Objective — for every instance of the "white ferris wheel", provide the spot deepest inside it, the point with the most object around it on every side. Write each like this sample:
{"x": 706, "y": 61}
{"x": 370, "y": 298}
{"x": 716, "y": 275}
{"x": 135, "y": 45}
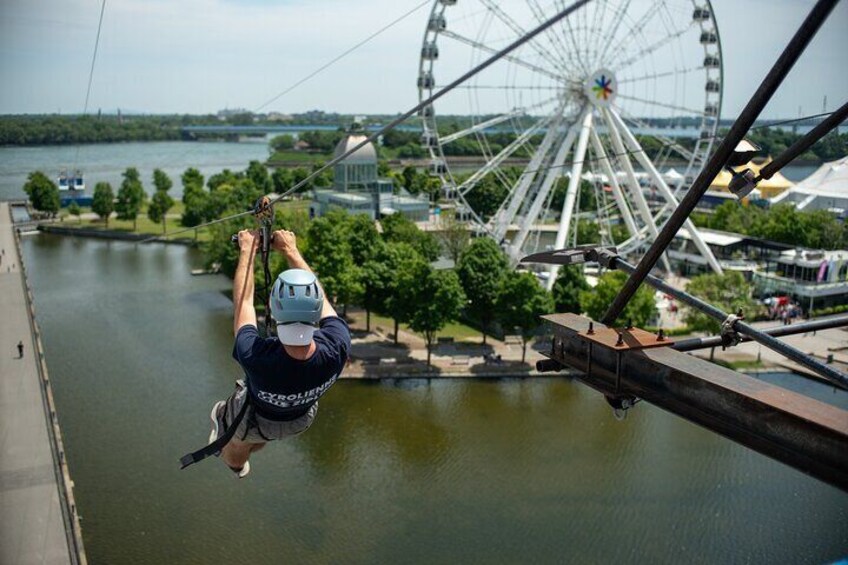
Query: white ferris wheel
{"x": 604, "y": 96}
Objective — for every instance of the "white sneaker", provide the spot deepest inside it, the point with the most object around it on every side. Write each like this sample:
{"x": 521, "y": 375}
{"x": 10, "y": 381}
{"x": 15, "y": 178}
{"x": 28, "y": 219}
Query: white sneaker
{"x": 217, "y": 417}
{"x": 244, "y": 470}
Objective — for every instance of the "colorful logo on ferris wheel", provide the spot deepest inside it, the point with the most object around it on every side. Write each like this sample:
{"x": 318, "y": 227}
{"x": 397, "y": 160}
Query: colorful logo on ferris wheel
{"x": 602, "y": 88}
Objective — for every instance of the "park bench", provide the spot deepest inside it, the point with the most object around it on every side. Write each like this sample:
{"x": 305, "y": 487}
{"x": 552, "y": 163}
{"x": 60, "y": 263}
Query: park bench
{"x": 460, "y": 360}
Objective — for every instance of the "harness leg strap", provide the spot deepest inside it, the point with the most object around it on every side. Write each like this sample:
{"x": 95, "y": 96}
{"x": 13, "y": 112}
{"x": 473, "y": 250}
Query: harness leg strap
{"x": 218, "y": 444}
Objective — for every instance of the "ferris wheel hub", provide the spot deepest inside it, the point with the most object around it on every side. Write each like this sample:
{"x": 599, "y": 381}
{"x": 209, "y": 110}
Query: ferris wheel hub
{"x": 601, "y": 88}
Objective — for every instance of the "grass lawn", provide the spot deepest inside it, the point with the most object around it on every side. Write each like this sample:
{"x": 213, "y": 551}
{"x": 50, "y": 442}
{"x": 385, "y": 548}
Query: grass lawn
{"x": 298, "y": 157}
{"x": 459, "y": 332}
{"x": 146, "y": 226}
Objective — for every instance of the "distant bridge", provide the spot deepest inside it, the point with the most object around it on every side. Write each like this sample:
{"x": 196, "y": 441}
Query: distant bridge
{"x": 225, "y": 129}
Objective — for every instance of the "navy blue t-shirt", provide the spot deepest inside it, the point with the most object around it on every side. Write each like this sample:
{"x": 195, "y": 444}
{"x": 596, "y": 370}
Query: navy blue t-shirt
{"x": 283, "y": 387}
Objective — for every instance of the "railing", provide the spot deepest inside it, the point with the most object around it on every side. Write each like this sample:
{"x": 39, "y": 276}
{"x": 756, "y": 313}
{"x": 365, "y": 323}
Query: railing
{"x": 807, "y": 288}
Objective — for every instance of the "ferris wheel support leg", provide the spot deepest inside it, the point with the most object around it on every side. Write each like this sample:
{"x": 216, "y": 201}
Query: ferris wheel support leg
{"x": 553, "y": 173}
{"x": 572, "y": 191}
{"x": 620, "y": 201}
{"x": 660, "y": 183}
{"x": 506, "y": 217}
{"x": 634, "y": 189}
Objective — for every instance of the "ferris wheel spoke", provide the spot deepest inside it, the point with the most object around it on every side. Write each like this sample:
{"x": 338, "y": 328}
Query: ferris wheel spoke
{"x": 660, "y": 75}
{"x": 551, "y": 34}
{"x": 517, "y": 29}
{"x": 505, "y": 87}
{"x": 634, "y": 31}
{"x": 595, "y": 30}
{"x": 648, "y": 50}
{"x": 495, "y": 161}
{"x": 666, "y": 141}
{"x": 698, "y": 113}
{"x": 493, "y": 122}
{"x": 618, "y": 195}
{"x": 610, "y": 37}
{"x": 512, "y": 58}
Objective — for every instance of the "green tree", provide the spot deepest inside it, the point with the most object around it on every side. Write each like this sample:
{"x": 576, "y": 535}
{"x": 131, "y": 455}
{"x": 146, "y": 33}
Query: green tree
{"x": 486, "y": 197}
{"x": 438, "y": 300}
{"x": 103, "y": 201}
{"x": 364, "y": 238}
{"x": 224, "y": 177}
{"x": 130, "y": 197}
{"x": 157, "y": 211}
{"x": 481, "y": 269}
{"x": 43, "y": 193}
{"x": 520, "y": 302}
{"x": 453, "y": 235}
{"x": 283, "y": 142}
{"x": 729, "y": 292}
{"x": 407, "y": 267}
{"x": 400, "y": 229}
{"x": 74, "y": 210}
{"x": 258, "y": 175}
{"x": 568, "y": 285}
{"x": 329, "y": 254}
{"x": 281, "y": 180}
{"x": 162, "y": 181}
{"x": 639, "y": 311}
{"x": 195, "y": 199}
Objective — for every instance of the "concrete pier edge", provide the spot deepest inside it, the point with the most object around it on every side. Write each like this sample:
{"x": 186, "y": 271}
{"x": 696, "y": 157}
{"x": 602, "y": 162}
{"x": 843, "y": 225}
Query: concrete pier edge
{"x": 60, "y": 465}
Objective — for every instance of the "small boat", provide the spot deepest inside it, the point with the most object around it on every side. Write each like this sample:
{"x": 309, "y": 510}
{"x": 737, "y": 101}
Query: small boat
{"x": 74, "y": 181}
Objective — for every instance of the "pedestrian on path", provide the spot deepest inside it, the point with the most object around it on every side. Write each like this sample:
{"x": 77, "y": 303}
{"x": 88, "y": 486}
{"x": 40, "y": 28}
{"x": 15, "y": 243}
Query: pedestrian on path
{"x": 20, "y": 350}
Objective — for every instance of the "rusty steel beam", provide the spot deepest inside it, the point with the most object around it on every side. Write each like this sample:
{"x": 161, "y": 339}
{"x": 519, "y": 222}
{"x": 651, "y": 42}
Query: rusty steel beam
{"x": 806, "y": 434}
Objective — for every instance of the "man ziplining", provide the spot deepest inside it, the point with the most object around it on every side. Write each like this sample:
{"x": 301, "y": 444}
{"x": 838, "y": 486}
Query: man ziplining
{"x": 284, "y": 375}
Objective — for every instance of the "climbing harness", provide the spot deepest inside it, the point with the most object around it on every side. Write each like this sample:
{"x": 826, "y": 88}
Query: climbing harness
{"x": 263, "y": 211}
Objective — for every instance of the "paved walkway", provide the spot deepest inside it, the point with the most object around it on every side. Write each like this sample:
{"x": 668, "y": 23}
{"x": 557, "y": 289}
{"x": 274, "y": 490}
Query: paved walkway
{"x": 32, "y": 529}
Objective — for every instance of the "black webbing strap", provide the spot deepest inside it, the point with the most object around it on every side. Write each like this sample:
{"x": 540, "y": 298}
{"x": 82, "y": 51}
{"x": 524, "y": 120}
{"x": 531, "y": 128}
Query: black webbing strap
{"x": 218, "y": 444}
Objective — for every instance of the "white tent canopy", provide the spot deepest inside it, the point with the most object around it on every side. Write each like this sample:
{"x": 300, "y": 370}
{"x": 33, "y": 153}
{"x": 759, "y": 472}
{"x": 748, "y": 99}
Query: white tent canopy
{"x": 825, "y": 189}
{"x": 672, "y": 177}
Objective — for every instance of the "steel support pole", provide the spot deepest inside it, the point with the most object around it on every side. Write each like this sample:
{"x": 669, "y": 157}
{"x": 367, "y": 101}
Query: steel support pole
{"x": 801, "y": 145}
{"x": 778, "y": 331}
{"x": 831, "y": 374}
{"x": 740, "y": 127}
{"x": 807, "y": 434}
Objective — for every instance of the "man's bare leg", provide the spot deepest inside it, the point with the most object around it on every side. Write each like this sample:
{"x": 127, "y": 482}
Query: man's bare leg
{"x": 236, "y": 453}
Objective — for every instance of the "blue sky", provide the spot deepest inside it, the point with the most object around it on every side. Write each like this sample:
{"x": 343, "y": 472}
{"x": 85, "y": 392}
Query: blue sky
{"x": 203, "y": 55}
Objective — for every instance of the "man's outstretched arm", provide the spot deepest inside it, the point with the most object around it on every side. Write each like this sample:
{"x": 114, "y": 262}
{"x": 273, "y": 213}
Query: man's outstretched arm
{"x": 244, "y": 313}
{"x": 285, "y": 242}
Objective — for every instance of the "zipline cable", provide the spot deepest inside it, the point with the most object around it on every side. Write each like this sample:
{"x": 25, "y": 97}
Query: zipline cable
{"x": 403, "y": 117}
{"x": 342, "y": 55}
{"x": 319, "y": 70}
{"x": 91, "y": 72}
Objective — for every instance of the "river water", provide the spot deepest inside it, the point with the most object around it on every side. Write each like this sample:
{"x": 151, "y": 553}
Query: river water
{"x": 106, "y": 162}
{"x": 411, "y": 472}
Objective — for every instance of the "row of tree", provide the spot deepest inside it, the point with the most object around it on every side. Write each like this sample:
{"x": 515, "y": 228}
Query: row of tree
{"x": 44, "y": 196}
{"x": 817, "y": 229}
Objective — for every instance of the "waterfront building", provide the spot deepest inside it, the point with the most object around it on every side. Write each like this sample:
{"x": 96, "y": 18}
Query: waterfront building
{"x": 813, "y": 278}
{"x": 825, "y": 189}
{"x": 357, "y": 188}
